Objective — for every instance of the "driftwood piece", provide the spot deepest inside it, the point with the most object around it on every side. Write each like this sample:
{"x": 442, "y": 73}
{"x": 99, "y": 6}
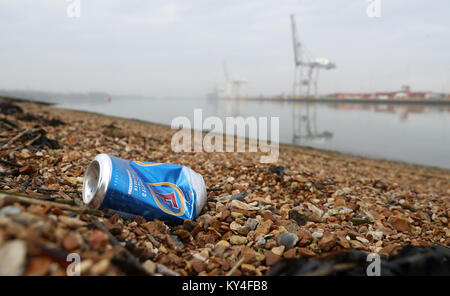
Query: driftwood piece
{"x": 7, "y": 198}
{"x": 235, "y": 267}
{"x": 8, "y": 122}
{"x": 15, "y": 138}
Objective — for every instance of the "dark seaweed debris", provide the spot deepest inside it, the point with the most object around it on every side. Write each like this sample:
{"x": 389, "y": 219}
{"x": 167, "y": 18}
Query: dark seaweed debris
{"x": 8, "y": 108}
{"x": 28, "y": 117}
{"x": 41, "y": 139}
{"x": 410, "y": 260}
{"x": 279, "y": 170}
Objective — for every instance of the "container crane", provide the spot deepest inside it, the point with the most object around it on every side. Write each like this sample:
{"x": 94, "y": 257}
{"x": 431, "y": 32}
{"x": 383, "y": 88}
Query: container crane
{"x": 306, "y": 72}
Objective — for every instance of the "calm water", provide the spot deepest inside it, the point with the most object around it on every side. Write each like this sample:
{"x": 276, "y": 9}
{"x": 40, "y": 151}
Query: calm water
{"x": 409, "y": 133}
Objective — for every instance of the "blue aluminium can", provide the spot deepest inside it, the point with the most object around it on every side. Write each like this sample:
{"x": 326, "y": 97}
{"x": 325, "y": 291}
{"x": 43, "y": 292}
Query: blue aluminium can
{"x": 161, "y": 191}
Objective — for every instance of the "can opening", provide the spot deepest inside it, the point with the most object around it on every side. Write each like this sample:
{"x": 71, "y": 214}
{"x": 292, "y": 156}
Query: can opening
{"x": 91, "y": 183}
{"x": 96, "y": 181}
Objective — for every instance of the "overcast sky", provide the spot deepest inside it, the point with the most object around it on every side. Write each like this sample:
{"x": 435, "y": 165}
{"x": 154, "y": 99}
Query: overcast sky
{"x": 178, "y": 47}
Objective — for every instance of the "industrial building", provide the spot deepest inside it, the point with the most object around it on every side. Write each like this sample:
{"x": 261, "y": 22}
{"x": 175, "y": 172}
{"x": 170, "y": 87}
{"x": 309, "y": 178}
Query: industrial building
{"x": 404, "y": 93}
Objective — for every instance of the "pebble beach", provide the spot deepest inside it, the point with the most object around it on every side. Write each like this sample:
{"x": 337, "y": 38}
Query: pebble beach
{"x": 309, "y": 204}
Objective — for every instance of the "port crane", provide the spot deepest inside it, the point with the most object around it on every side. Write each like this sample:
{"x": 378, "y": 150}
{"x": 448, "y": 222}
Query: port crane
{"x": 307, "y": 68}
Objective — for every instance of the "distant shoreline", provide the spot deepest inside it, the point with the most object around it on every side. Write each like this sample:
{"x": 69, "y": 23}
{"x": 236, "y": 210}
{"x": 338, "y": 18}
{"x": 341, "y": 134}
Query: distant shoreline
{"x": 349, "y": 101}
{"x": 15, "y": 99}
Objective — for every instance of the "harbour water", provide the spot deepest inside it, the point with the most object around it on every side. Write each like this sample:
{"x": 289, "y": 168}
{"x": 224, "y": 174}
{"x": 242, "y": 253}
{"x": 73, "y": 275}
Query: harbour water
{"x": 418, "y": 134}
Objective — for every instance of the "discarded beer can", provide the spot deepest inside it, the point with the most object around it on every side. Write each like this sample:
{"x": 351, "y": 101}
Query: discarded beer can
{"x": 161, "y": 191}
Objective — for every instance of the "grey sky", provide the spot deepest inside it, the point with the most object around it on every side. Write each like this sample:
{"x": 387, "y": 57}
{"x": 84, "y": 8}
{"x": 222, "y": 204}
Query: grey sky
{"x": 178, "y": 47}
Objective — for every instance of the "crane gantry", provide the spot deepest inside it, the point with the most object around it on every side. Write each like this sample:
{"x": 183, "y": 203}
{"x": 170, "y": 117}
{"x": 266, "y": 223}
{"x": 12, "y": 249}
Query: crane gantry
{"x": 306, "y": 72}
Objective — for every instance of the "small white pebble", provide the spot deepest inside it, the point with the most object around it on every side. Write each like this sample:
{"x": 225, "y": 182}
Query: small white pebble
{"x": 317, "y": 234}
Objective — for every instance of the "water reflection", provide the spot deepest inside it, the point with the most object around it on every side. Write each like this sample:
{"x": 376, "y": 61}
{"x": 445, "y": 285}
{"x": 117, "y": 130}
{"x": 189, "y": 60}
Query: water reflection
{"x": 403, "y": 110}
{"x": 232, "y": 108}
{"x": 304, "y": 121}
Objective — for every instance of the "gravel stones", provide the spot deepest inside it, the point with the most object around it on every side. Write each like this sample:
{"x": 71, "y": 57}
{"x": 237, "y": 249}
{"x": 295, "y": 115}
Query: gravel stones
{"x": 39, "y": 266}
{"x": 240, "y": 229}
{"x": 9, "y": 211}
{"x": 317, "y": 213}
{"x": 238, "y": 240}
{"x": 70, "y": 242}
{"x": 98, "y": 239}
{"x": 248, "y": 269}
{"x": 240, "y": 196}
{"x": 290, "y": 254}
{"x": 264, "y": 227}
{"x": 189, "y": 225}
{"x": 327, "y": 241}
{"x": 239, "y": 205}
{"x": 271, "y": 258}
{"x": 71, "y": 222}
{"x": 13, "y": 258}
{"x": 198, "y": 265}
{"x": 317, "y": 234}
{"x": 291, "y": 226}
{"x": 100, "y": 267}
{"x": 278, "y": 250}
{"x": 305, "y": 238}
{"x": 287, "y": 239}
{"x": 399, "y": 224}
{"x": 301, "y": 219}
{"x": 306, "y": 253}
{"x": 150, "y": 267}
{"x": 250, "y": 255}
{"x": 375, "y": 235}
{"x": 252, "y": 223}
{"x": 166, "y": 271}
{"x": 261, "y": 241}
